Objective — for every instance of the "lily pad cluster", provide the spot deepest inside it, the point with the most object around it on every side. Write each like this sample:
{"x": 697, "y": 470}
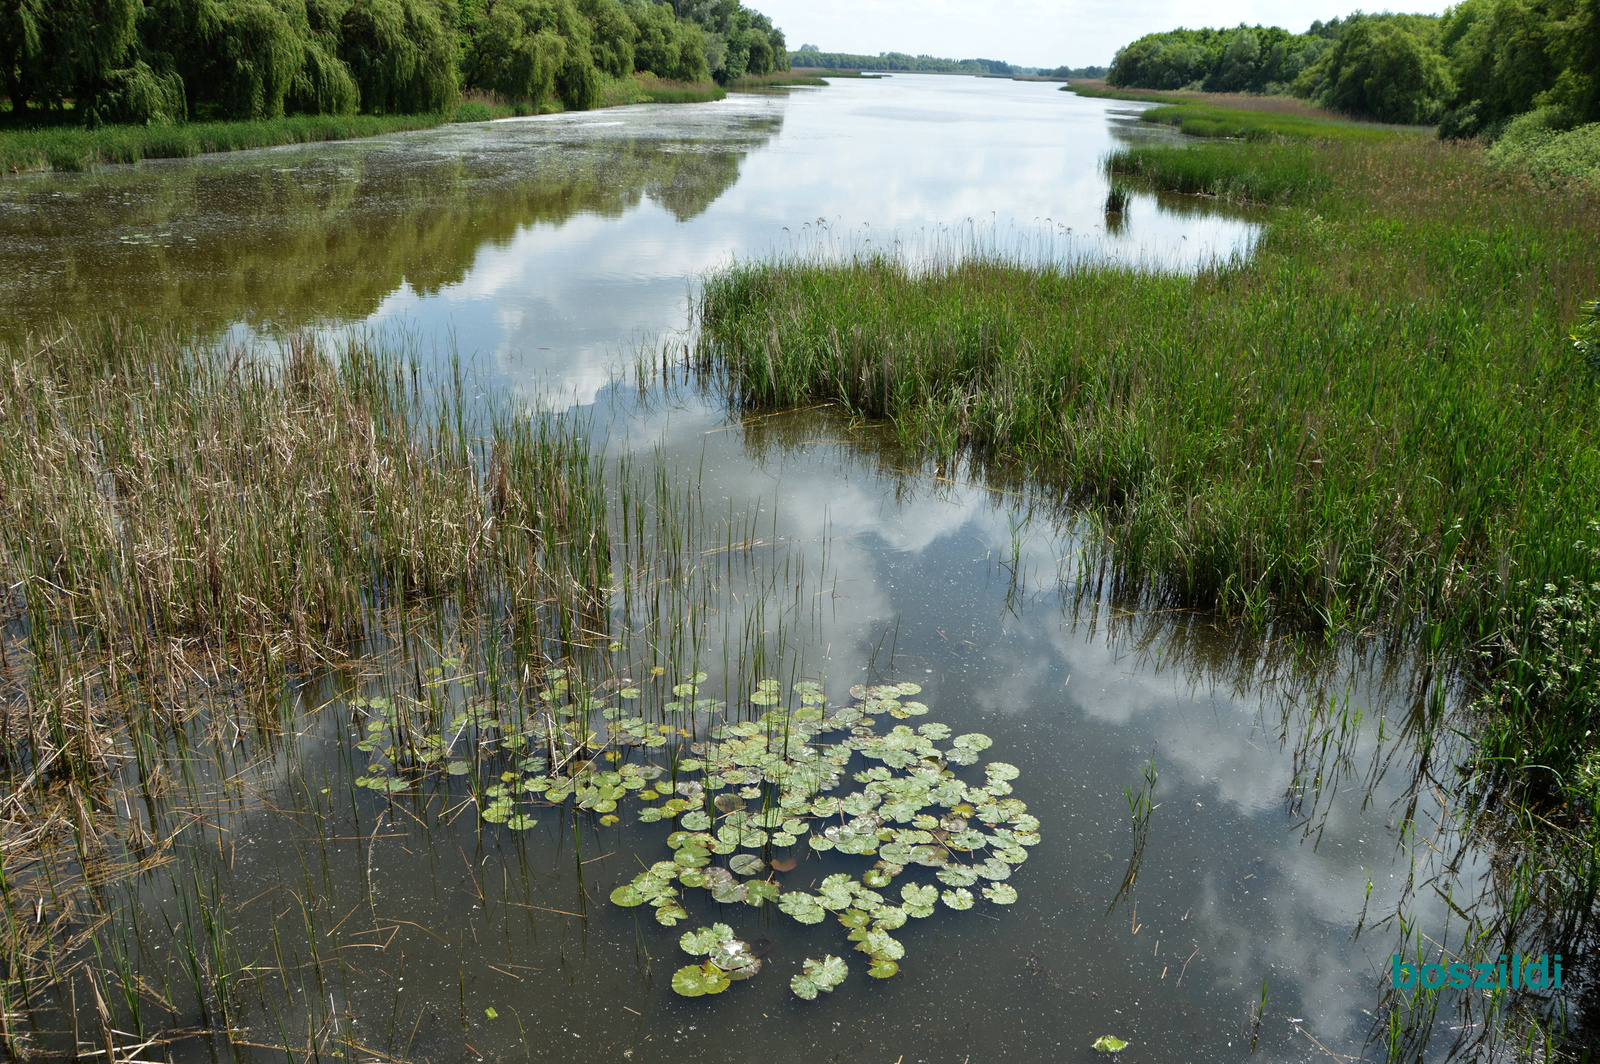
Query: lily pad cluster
{"x": 745, "y": 801}
{"x": 727, "y": 960}
{"x": 766, "y": 785}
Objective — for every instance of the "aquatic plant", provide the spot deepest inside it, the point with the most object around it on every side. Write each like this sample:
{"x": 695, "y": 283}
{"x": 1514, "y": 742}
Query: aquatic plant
{"x": 749, "y": 789}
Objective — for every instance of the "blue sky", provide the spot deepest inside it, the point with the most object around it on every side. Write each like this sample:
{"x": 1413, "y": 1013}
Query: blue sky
{"x": 1029, "y": 32}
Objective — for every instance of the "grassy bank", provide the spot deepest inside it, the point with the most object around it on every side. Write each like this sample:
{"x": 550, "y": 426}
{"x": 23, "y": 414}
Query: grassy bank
{"x": 1376, "y": 419}
{"x": 69, "y": 147}
{"x": 1243, "y": 117}
{"x": 77, "y": 148}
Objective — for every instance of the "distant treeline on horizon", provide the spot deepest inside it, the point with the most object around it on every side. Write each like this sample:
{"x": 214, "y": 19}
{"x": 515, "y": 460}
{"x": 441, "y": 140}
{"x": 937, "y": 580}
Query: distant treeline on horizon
{"x": 809, "y": 55}
{"x": 1471, "y": 70}
{"x": 164, "y": 61}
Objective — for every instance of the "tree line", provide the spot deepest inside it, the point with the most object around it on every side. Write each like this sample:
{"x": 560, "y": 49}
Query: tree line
{"x": 809, "y": 55}
{"x": 152, "y": 61}
{"x": 1472, "y": 69}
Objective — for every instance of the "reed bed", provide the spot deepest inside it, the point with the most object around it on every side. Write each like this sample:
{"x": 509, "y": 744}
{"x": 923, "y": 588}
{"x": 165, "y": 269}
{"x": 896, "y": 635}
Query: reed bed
{"x": 1374, "y": 420}
{"x": 158, "y": 504}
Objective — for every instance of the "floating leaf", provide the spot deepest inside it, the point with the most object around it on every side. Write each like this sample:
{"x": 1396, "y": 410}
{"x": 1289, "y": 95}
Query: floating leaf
{"x": 958, "y": 876}
{"x": 804, "y": 907}
{"x": 746, "y": 864}
{"x": 758, "y": 891}
{"x": 457, "y": 768}
{"x": 1109, "y": 1043}
{"x": 697, "y": 980}
{"x": 958, "y": 899}
{"x": 491, "y": 1013}
{"x": 627, "y": 895}
{"x": 695, "y": 821}
{"x": 702, "y": 941}
{"x": 883, "y": 968}
{"x": 520, "y": 822}
{"x": 1000, "y": 893}
{"x": 819, "y": 976}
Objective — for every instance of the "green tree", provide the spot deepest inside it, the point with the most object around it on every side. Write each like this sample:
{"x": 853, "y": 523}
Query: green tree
{"x": 1381, "y": 68}
{"x": 614, "y": 36}
{"x": 401, "y": 54}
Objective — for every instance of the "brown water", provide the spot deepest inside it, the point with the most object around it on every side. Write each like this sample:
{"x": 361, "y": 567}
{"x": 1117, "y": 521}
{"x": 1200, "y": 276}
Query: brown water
{"x": 1299, "y": 833}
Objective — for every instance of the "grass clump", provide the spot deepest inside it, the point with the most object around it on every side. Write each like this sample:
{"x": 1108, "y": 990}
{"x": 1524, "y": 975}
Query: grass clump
{"x": 1273, "y": 173}
{"x": 1375, "y": 418}
{"x": 777, "y": 79}
{"x": 1201, "y": 120}
{"x": 77, "y": 148}
{"x": 1240, "y": 116}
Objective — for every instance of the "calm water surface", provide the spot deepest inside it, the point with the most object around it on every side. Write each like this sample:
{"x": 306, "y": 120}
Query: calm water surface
{"x": 544, "y": 251}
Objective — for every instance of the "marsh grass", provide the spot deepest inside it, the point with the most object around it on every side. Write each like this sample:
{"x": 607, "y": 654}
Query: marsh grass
{"x": 1245, "y": 117}
{"x": 158, "y": 503}
{"x": 1375, "y": 420}
{"x": 649, "y": 89}
{"x": 778, "y": 79}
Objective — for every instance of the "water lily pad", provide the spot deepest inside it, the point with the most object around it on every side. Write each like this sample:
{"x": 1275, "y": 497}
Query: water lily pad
{"x": 520, "y": 822}
{"x": 957, "y": 876}
{"x": 958, "y": 899}
{"x": 697, "y": 980}
{"x": 1000, "y": 893}
{"x": 695, "y": 821}
{"x": 883, "y": 968}
{"x": 701, "y": 941}
{"x": 759, "y": 891}
{"x": 806, "y": 908}
{"x": 889, "y": 917}
{"x": 1000, "y": 770}
{"x": 819, "y": 977}
{"x": 1109, "y": 1043}
{"x": 457, "y": 768}
{"x": 627, "y": 895}
{"x": 879, "y": 943}
{"x": 670, "y": 913}
{"x": 746, "y": 864}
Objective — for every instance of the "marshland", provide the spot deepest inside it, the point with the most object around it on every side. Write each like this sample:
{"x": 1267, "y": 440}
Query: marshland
{"x": 795, "y": 576}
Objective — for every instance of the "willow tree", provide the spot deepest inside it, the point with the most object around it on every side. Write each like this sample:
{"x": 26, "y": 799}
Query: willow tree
{"x": 401, "y": 54}
{"x": 532, "y": 50}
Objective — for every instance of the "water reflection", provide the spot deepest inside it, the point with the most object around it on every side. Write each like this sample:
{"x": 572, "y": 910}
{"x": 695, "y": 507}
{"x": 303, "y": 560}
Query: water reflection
{"x": 554, "y": 245}
{"x": 326, "y": 234}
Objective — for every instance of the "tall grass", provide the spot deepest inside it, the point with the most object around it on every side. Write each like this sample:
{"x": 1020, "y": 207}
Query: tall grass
{"x": 1375, "y": 419}
{"x": 157, "y": 501}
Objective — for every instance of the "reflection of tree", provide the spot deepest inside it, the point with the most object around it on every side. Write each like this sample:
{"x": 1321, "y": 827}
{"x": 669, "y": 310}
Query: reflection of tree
{"x": 289, "y": 238}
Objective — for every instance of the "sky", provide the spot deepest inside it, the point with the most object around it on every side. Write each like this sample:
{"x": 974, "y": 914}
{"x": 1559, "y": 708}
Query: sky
{"x": 1044, "y": 33}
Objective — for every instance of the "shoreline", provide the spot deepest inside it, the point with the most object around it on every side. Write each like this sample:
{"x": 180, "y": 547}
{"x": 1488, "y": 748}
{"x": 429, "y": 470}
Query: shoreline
{"x": 75, "y": 149}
